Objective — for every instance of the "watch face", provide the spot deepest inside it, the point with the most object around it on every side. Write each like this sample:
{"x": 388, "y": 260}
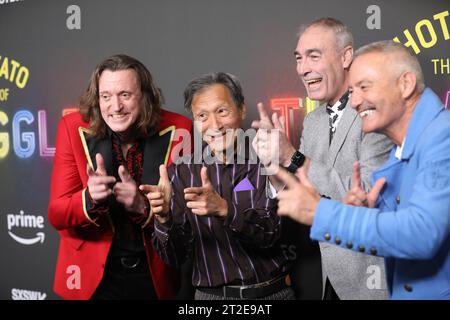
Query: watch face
{"x": 292, "y": 168}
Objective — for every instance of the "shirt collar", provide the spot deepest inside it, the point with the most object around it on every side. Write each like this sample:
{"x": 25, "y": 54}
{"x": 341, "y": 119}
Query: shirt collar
{"x": 399, "y": 150}
{"x": 339, "y": 105}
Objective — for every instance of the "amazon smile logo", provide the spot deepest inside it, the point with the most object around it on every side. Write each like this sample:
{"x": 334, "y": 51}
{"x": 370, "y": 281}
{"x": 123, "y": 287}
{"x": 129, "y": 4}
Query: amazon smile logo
{"x": 23, "y": 220}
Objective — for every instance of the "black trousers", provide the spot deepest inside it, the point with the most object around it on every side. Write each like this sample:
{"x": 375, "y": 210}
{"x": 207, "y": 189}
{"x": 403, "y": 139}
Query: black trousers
{"x": 306, "y": 270}
{"x": 330, "y": 294}
{"x": 126, "y": 279}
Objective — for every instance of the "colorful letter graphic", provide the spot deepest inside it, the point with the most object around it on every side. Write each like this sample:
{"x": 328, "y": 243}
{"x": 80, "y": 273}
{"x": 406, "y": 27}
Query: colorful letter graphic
{"x": 44, "y": 150}
{"x": 286, "y": 106}
{"x": 447, "y": 100}
{"x": 25, "y": 138}
{"x": 4, "y": 136}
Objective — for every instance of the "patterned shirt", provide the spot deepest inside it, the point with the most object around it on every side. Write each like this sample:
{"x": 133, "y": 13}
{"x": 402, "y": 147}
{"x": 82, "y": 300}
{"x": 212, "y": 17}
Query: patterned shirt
{"x": 242, "y": 248}
{"x": 127, "y": 225}
{"x": 335, "y": 112}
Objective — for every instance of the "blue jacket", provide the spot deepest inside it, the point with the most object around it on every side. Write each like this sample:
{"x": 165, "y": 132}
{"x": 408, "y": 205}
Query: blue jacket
{"x": 411, "y": 224}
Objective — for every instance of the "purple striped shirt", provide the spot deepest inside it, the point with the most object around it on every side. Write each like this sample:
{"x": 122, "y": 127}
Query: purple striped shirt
{"x": 242, "y": 248}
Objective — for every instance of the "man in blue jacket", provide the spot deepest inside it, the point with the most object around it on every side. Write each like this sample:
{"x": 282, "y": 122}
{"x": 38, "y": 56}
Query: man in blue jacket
{"x": 406, "y": 215}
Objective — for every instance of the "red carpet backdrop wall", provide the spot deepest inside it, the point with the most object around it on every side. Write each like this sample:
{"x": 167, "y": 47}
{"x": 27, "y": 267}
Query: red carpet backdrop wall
{"x": 49, "y": 48}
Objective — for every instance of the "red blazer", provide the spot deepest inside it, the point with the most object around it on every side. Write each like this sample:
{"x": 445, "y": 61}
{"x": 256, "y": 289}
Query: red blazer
{"x": 85, "y": 243}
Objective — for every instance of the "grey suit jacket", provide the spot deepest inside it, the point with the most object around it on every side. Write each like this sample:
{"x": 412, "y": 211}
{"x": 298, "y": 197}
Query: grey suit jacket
{"x": 353, "y": 275}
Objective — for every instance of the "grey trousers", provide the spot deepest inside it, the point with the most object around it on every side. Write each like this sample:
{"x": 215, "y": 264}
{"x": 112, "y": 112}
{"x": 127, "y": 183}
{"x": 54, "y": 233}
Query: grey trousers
{"x": 284, "y": 294}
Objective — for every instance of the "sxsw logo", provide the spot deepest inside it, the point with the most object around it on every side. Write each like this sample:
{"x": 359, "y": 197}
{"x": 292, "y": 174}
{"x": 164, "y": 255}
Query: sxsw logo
{"x": 22, "y": 220}
{"x": 21, "y": 294}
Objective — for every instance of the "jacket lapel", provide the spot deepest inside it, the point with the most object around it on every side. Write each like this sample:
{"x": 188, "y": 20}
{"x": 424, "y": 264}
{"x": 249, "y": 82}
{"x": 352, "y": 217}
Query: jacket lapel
{"x": 428, "y": 108}
{"x": 156, "y": 152}
{"x": 341, "y": 133}
{"x": 321, "y": 141}
{"x": 93, "y": 146}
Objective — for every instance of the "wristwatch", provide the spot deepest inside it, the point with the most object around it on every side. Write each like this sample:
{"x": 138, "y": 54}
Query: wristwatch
{"x": 297, "y": 160}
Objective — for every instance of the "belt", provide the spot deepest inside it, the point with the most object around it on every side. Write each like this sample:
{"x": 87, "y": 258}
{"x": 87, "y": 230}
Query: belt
{"x": 129, "y": 264}
{"x": 253, "y": 291}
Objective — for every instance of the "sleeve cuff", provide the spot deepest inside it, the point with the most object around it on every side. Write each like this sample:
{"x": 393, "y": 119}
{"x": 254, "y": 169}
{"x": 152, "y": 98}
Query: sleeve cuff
{"x": 148, "y": 213}
{"x": 233, "y": 220}
{"x": 323, "y": 220}
{"x": 162, "y": 229}
{"x": 91, "y": 212}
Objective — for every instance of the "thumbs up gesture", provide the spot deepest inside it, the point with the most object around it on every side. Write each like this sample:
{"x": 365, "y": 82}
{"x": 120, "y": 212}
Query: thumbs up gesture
{"x": 127, "y": 192}
{"x": 204, "y": 200}
{"x": 160, "y": 195}
{"x": 98, "y": 181}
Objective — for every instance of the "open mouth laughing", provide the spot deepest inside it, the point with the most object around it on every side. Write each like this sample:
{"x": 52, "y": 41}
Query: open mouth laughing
{"x": 367, "y": 112}
{"x": 313, "y": 82}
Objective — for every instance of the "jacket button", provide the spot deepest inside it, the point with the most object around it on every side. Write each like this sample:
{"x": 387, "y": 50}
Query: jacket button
{"x": 349, "y": 244}
{"x": 327, "y": 236}
{"x": 373, "y": 251}
{"x": 408, "y": 287}
{"x": 397, "y": 199}
{"x": 338, "y": 240}
{"x": 361, "y": 248}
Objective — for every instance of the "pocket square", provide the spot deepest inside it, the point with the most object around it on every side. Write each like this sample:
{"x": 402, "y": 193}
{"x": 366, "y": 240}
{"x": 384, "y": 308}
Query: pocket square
{"x": 244, "y": 185}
